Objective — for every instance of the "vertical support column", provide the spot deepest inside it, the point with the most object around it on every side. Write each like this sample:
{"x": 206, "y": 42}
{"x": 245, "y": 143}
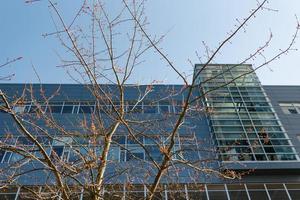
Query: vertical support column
{"x": 287, "y": 192}
{"x": 81, "y": 194}
{"x": 17, "y": 193}
{"x": 165, "y": 191}
{"x": 247, "y": 192}
{"x": 267, "y": 192}
{"x": 206, "y": 191}
{"x": 145, "y": 191}
{"x": 186, "y": 192}
{"x": 226, "y": 190}
{"x": 124, "y": 192}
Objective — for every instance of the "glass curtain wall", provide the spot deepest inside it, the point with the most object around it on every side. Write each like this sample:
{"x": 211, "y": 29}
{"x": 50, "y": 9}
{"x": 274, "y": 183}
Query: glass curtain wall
{"x": 240, "y": 115}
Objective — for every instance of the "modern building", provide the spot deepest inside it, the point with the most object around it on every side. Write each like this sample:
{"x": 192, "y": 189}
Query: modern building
{"x": 234, "y": 127}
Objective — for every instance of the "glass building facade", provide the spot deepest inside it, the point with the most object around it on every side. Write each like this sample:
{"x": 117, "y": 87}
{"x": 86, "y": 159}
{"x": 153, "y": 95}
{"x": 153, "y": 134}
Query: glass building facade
{"x": 241, "y": 118}
{"x": 249, "y": 191}
{"x": 238, "y": 114}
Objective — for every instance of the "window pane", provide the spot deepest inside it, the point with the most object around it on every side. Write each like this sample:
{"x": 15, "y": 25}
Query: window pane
{"x": 164, "y": 108}
{"x": 7, "y": 196}
{"x": 74, "y": 157}
{"x": 197, "y": 195}
{"x": 132, "y": 156}
{"x": 114, "y": 153}
{"x": 6, "y": 157}
{"x": 238, "y": 195}
{"x": 154, "y": 153}
{"x": 112, "y": 196}
{"x": 150, "y": 109}
{"x": 278, "y": 194}
{"x": 119, "y": 139}
{"x": 86, "y": 109}
{"x": 57, "y": 151}
{"x": 54, "y": 109}
{"x": 19, "y": 109}
{"x": 1, "y": 155}
{"x": 134, "y": 195}
{"x": 261, "y": 195}
{"x": 135, "y": 109}
{"x": 295, "y": 194}
{"x": 24, "y": 141}
{"x": 180, "y": 195}
{"x": 217, "y": 195}
{"x": 32, "y": 109}
{"x": 15, "y": 157}
{"x": 293, "y": 111}
{"x": 67, "y": 109}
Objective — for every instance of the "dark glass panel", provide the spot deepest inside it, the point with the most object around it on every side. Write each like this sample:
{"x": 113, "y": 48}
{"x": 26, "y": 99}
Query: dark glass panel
{"x": 150, "y": 109}
{"x": 135, "y": 195}
{"x": 197, "y": 195}
{"x": 54, "y": 109}
{"x": 295, "y": 194}
{"x": 278, "y": 194}
{"x": 255, "y": 194}
{"x": 132, "y": 156}
{"x": 1, "y": 155}
{"x": 217, "y": 195}
{"x": 57, "y": 151}
{"x": 33, "y": 109}
{"x": 164, "y": 109}
{"x": 119, "y": 139}
{"x": 238, "y": 195}
{"x": 24, "y": 141}
{"x": 86, "y": 109}
{"x": 7, "y": 196}
{"x": 180, "y": 195}
{"x": 7, "y": 157}
{"x": 154, "y": 153}
{"x": 135, "y": 109}
{"x": 113, "y": 195}
{"x": 67, "y": 109}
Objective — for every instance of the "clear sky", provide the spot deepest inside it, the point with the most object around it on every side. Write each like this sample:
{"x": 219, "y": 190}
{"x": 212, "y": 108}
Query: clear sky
{"x": 187, "y": 23}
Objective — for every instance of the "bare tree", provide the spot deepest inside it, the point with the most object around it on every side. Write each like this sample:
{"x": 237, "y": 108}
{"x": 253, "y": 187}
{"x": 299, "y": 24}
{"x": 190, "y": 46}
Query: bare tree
{"x": 8, "y": 77}
{"x": 83, "y": 157}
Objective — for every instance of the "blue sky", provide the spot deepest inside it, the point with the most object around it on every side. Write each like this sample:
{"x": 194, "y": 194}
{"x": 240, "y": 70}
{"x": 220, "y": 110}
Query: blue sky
{"x": 185, "y": 23}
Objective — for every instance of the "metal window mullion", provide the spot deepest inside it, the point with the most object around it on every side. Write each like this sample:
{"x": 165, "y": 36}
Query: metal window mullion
{"x": 124, "y": 192}
{"x": 206, "y": 191}
{"x": 81, "y": 194}
{"x": 197, "y": 145}
{"x": 226, "y": 190}
{"x": 95, "y": 107}
{"x": 125, "y": 149}
{"x": 10, "y": 156}
{"x": 247, "y": 192}
{"x": 287, "y": 192}
{"x": 73, "y": 108}
{"x": 78, "y": 108}
{"x": 186, "y": 192}
{"x": 62, "y": 107}
{"x": 166, "y": 192}
{"x": 17, "y": 193}
{"x": 266, "y": 189}
{"x": 29, "y": 106}
{"x": 145, "y": 191}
